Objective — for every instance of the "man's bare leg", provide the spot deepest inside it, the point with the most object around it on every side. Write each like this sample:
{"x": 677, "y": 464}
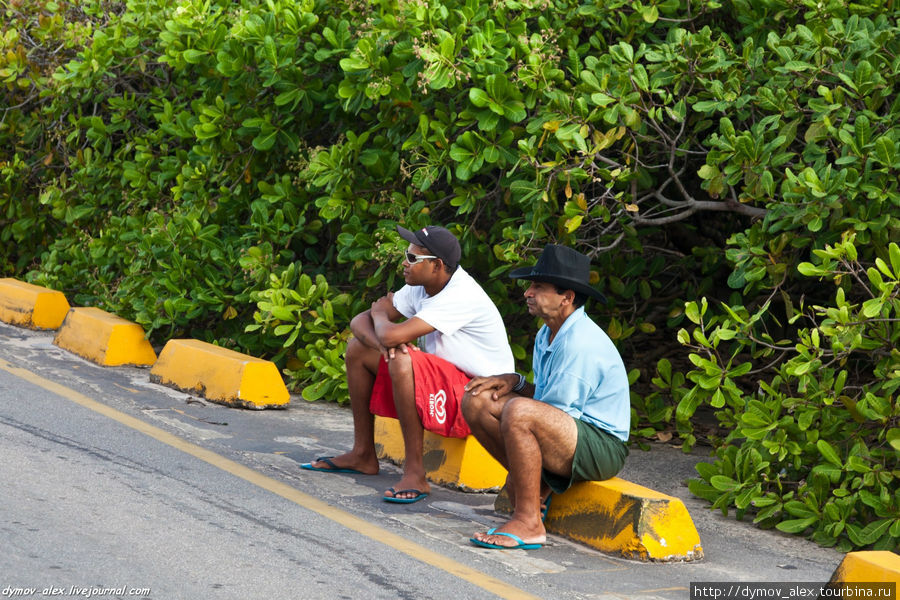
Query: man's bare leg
{"x": 401, "y": 370}
{"x": 483, "y": 414}
{"x": 362, "y": 365}
{"x": 535, "y": 436}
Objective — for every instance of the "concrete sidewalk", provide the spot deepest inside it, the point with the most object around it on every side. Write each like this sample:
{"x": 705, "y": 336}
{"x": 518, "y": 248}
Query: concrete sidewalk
{"x": 274, "y": 442}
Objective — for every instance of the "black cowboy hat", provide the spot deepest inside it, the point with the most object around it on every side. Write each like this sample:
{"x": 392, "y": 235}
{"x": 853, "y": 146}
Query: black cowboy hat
{"x": 561, "y": 266}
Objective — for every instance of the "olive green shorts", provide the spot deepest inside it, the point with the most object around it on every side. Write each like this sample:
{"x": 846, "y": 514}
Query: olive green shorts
{"x": 599, "y": 455}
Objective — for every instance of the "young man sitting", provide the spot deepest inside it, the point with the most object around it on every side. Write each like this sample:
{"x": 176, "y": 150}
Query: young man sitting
{"x": 460, "y": 334}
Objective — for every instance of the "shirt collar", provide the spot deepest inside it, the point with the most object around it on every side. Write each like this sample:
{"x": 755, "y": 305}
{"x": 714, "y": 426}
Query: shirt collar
{"x": 567, "y": 324}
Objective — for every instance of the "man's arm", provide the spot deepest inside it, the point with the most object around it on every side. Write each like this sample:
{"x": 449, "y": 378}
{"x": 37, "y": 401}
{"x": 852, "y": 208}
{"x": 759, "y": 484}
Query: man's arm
{"x": 363, "y": 329}
{"x": 389, "y": 333}
{"x": 499, "y": 386}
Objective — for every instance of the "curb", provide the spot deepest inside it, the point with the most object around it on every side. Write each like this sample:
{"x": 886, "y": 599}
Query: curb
{"x": 32, "y": 306}
{"x": 870, "y": 566}
{"x": 619, "y": 517}
{"x": 220, "y": 375}
{"x": 460, "y": 463}
{"x": 104, "y": 338}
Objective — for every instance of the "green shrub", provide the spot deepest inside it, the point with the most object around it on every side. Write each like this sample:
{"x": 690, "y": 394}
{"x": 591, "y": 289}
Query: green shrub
{"x": 233, "y": 171}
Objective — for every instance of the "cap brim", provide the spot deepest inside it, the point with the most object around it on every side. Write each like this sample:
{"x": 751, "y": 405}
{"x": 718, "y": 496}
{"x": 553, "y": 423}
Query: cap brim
{"x": 408, "y": 235}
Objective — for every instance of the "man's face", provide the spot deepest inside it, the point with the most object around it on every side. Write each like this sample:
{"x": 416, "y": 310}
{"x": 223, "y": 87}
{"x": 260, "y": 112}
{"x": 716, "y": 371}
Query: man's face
{"x": 543, "y": 300}
{"x": 420, "y": 271}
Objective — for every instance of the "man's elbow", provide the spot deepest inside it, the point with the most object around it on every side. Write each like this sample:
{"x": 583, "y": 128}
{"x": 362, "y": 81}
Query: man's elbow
{"x": 357, "y": 323}
{"x": 389, "y": 339}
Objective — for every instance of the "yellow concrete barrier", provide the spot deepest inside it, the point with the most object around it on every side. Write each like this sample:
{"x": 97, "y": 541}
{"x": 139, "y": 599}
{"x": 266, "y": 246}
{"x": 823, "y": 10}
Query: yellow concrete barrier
{"x": 104, "y": 338}
{"x": 620, "y": 517}
{"x": 455, "y": 462}
{"x": 220, "y": 375}
{"x": 32, "y": 306}
{"x": 872, "y": 566}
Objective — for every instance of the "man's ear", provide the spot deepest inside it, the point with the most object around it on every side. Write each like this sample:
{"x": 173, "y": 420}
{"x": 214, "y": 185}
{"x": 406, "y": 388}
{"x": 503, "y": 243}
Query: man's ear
{"x": 569, "y": 295}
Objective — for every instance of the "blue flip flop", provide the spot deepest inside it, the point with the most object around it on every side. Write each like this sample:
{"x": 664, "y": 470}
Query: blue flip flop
{"x": 520, "y": 544}
{"x": 332, "y": 468}
{"x": 419, "y": 495}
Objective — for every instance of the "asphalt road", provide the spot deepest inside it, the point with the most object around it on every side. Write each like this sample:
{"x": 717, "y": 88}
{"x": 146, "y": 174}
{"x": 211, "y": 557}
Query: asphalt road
{"x": 114, "y": 487}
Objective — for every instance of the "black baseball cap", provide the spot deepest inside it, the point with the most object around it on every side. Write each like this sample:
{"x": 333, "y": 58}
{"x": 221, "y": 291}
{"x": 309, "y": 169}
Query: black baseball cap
{"x": 438, "y": 240}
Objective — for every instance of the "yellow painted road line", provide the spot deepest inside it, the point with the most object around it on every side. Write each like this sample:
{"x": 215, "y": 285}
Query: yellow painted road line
{"x": 352, "y": 522}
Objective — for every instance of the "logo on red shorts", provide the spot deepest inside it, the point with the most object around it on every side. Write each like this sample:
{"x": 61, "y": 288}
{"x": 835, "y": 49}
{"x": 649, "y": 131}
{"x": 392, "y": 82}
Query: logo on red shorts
{"x": 437, "y": 406}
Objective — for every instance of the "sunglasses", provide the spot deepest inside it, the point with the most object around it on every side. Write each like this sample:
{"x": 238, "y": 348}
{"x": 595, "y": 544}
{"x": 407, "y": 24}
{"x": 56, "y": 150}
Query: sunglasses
{"x": 416, "y": 258}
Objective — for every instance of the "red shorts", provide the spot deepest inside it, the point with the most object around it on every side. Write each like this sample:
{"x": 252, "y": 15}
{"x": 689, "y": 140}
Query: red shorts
{"x": 439, "y": 389}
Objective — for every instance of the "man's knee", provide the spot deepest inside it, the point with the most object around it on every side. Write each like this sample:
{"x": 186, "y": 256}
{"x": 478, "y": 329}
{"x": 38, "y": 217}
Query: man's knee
{"x": 518, "y": 411}
{"x": 354, "y": 348}
{"x": 470, "y": 406}
{"x": 476, "y": 407}
{"x": 359, "y": 356}
{"x": 400, "y": 366}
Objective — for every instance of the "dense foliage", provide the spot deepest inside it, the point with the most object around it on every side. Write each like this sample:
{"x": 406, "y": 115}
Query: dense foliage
{"x": 232, "y": 171}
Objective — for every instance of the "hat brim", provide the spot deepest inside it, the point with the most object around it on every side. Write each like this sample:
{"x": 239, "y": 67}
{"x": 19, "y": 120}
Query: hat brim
{"x": 409, "y": 236}
{"x": 563, "y": 282}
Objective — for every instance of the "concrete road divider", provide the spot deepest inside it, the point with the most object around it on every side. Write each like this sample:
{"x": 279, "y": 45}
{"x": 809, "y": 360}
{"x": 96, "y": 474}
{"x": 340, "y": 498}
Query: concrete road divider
{"x": 620, "y": 517}
{"x": 32, "y": 306}
{"x": 220, "y": 375}
{"x": 458, "y": 463}
{"x": 872, "y": 566}
{"x": 104, "y": 338}
{"x": 614, "y": 516}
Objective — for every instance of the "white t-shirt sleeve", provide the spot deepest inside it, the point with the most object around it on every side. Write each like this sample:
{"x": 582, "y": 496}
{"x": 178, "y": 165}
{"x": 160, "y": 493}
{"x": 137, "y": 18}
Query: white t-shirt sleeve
{"x": 405, "y": 301}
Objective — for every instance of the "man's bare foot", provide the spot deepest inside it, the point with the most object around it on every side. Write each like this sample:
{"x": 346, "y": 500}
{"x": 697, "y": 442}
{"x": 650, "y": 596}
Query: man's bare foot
{"x": 408, "y": 488}
{"x": 345, "y": 463}
{"x": 525, "y": 534}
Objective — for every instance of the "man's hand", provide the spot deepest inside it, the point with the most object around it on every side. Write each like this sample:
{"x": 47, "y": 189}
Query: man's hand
{"x": 384, "y": 304}
{"x": 390, "y": 353}
{"x": 498, "y": 385}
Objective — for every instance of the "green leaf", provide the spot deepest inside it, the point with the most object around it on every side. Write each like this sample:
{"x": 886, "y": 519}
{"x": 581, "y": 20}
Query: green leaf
{"x": 872, "y": 307}
{"x": 692, "y": 312}
{"x": 894, "y": 252}
{"x": 796, "y": 525}
{"x": 871, "y": 532}
{"x": 640, "y": 77}
{"x": 265, "y": 140}
{"x": 193, "y": 56}
{"x": 448, "y": 47}
{"x": 353, "y": 63}
{"x": 708, "y": 172}
{"x": 627, "y": 50}
{"x": 708, "y": 106}
{"x": 886, "y": 151}
{"x": 893, "y": 438}
{"x": 829, "y": 453}
{"x": 590, "y": 79}
{"x": 809, "y": 269}
{"x": 723, "y": 483}
{"x": 832, "y": 472}
{"x": 601, "y": 99}
{"x": 718, "y": 399}
{"x": 796, "y": 65}
{"x": 478, "y": 97}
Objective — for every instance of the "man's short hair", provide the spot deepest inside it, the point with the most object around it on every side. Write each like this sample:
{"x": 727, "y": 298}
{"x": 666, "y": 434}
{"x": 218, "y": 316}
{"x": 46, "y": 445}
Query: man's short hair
{"x": 579, "y": 300}
{"x": 449, "y": 270}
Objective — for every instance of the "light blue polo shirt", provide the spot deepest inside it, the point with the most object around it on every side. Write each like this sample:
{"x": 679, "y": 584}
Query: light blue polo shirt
{"x": 582, "y": 373}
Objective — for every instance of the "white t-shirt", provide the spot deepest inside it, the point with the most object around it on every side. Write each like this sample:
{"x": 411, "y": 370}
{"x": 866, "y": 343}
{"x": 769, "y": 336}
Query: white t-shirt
{"x": 468, "y": 329}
